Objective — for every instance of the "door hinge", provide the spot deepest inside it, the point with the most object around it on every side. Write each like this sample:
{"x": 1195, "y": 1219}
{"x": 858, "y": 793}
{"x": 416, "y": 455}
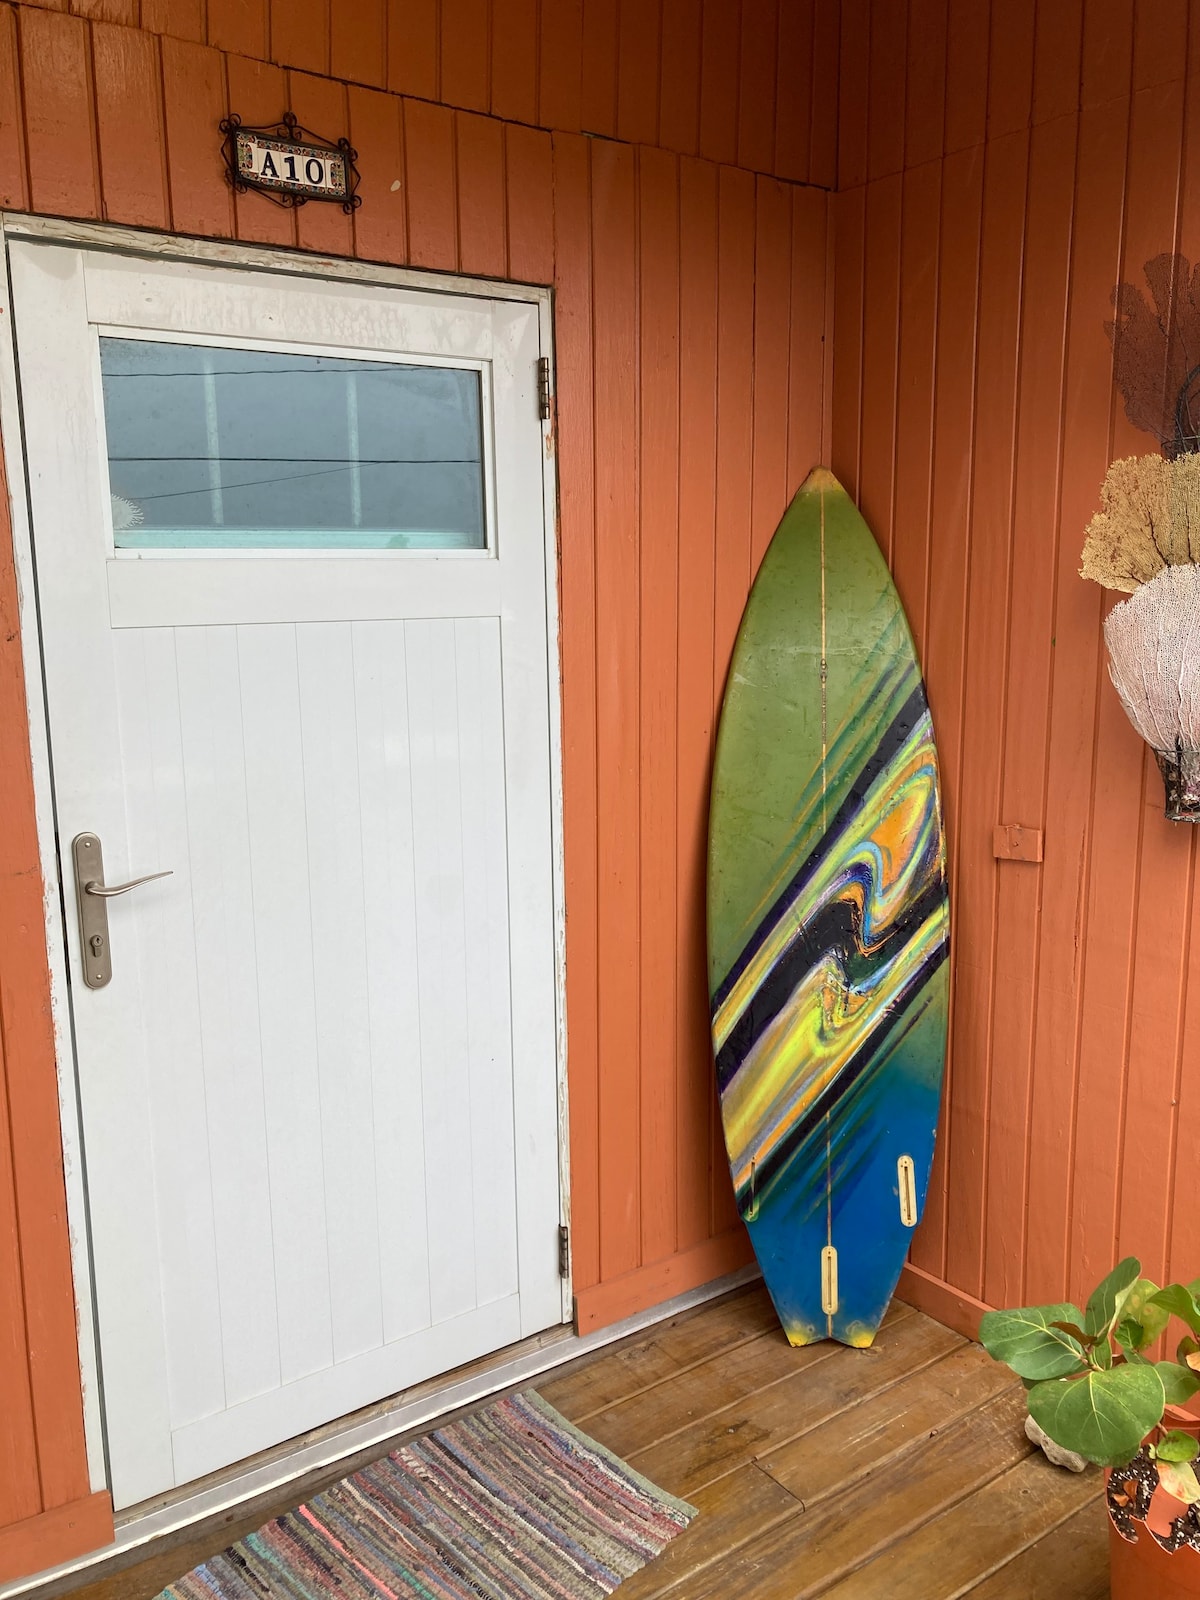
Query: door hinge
{"x": 564, "y": 1251}
{"x": 543, "y": 382}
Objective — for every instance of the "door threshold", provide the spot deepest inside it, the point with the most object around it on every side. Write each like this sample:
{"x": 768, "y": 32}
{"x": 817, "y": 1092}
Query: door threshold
{"x": 319, "y": 1457}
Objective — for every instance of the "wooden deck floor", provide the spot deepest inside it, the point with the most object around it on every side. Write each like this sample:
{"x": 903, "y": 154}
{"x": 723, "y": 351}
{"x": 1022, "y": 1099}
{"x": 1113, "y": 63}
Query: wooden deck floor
{"x": 900, "y": 1471}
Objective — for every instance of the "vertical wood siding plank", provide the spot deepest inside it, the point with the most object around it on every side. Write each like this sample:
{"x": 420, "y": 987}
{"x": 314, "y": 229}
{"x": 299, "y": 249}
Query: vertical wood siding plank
{"x": 300, "y": 35}
{"x": 966, "y": 74}
{"x": 1010, "y": 68}
{"x": 195, "y": 96}
{"x": 320, "y": 104}
{"x": 697, "y": 549}
{"x": 1159, "y": 43}
{"x": 1057, "y": 61}
{"x": 482, "y": 234}
{"x": 735, "y": 453}
{"x": 794, "y": 91}
{"x": 413, "y": 28}
{"x": 823, "y": 140}
{"x": 810, "y": 348}
{"x": 925, "y": 103}
{"x": 853, "y": 74}
{"x": 64, "y": 179}
{"x": 515, "y": 60}
{"x": 658, "y": 450}
{"x": 182, "y": 19}
{"x": 1054, "y": 1120}
{"x": 759, "y": 87}
{"x": 679, "y": 90}
{"x": 1162, "y": 914}
{"x": 14, "y": 188}
{"x": 881, "y": 321}
{"x": 916, "y": 360}
{"x": 258, "y": 94}
{"x": 1107, "y": 51}
{"x": 849, "y": 272}
{"x": 1183, "y": 1244}
{"x": 530, "y": 187}
{"x": 129, "y": 121}
{"x": 987, "y": 636}
{"x": 639, "y": 69}
{"x": 358, "y": 42}
{"x": 577, "y": 582}
{"x": 617, "y": 602}
{"x": 560, "y": 65}
{"x": 773, "y": 310}
{"x": 37, "y": 1173}
{"x": 242, "y": 26}
{"x": 429, "y": 162}
{"x": 465, "y": 52}
{"x": 886, "y": 86}
{"x": 20, "y": 1491}
{"x": 598, "y": 108}
{"x": 1010, "y": 1227}
{"x": 720, "y": 67}
{"x": 946, "y": 618}
{"x": 376, "y": 132}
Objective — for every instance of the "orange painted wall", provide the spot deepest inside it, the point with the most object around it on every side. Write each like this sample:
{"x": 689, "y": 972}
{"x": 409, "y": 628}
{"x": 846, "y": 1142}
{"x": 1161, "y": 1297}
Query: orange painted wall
{"x": 690, "y": 285}
{"x": 1000, "y": 168}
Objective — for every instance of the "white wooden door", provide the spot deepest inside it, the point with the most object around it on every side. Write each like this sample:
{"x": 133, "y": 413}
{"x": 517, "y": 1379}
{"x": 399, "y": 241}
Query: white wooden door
{"x": 290, "y": 551}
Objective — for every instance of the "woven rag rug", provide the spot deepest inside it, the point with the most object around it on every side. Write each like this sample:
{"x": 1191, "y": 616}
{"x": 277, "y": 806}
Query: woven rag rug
{"x": 510, "y": 1503}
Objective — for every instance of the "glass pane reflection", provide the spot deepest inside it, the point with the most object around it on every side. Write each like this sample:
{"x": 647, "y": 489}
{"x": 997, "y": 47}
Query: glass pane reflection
{"x": 241, "y": 449}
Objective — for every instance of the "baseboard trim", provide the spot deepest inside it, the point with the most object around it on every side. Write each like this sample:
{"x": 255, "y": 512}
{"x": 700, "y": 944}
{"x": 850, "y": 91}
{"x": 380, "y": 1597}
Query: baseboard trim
{"x": 646, "y": 1286}
{"x": 261, "y": 1480}
{"x": 941, "y": 1301}
{"x": 63, "y": 1532}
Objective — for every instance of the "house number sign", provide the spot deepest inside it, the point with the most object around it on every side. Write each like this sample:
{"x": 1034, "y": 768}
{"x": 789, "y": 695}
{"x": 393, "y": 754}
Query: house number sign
{"x": 289, "y": 163}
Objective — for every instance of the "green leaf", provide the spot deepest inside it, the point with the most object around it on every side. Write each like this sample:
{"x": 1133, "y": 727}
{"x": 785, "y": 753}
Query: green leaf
{"x": 1109, "y": 1297}
{"x": 1186, "y": 1348}
{"x": 1177, "y": 1446}
{"x": 1102, "y": 1354}
{"x": 1179, "y": 1479}
{"x": 1179, "y": 1302}
{"x": 1146, "y": 1321}
{"x": 1179, "y": 1384}
{"x": 1026, "y": 1341}
{"x": 1104, "y": 1416}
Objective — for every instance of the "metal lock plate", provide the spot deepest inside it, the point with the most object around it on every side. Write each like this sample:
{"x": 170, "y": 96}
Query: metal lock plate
{"x": 95, "y": 950}
{"x": 92, "y": 895}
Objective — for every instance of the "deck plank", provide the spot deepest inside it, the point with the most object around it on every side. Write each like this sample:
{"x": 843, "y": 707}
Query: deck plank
{"x": 662, "y": 1352}
{"x": 878, "y": 1515}
{"x": 773, "y": 1415}
{"x": 1069, "y": 1563}
{"x": 970, "y": 1541}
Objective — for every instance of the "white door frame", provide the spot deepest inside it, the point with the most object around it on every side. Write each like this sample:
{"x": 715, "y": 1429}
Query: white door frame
{"x": 160, "y": 247}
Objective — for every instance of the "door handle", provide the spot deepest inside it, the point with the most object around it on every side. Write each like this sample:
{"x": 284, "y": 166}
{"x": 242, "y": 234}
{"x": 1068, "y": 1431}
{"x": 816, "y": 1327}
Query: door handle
{"x": 107, "y": 892}
{"x": 92, "y": 896}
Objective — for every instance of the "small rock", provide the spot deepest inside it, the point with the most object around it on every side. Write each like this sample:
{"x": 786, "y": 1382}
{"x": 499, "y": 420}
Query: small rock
{"x": 1053, "y": 1452}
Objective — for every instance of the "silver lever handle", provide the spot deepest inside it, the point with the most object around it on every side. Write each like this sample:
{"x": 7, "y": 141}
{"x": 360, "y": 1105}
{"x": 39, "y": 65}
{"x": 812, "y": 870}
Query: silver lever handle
{"x": 106, "y": 892}
{"x": 92, "y": 895}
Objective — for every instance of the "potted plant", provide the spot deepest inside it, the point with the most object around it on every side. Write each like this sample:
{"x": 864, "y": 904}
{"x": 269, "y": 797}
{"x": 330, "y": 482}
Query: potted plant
{"x": 1098, "y": 1387}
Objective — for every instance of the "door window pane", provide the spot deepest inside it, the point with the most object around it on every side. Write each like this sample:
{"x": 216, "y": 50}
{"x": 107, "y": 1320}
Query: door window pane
{"x": 247, "y": 450}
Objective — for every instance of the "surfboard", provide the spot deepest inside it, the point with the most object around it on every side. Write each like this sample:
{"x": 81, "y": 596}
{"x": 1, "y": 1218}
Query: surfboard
{"x": 828, "y": 923}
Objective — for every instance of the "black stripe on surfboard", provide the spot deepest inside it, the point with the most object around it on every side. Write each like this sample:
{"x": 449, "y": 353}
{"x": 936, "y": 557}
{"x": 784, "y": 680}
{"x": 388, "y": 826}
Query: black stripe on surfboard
{"x": 891, "y": 741}
{"x": 770, "y": 1165}
{"x": 838, "y": 928}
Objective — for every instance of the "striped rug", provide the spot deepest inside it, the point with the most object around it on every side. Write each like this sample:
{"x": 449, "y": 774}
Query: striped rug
{"x": 510, "y": 1503}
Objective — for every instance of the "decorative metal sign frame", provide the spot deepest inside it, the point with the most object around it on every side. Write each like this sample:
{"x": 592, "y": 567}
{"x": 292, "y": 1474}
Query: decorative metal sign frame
{"x": 290, "y": 164}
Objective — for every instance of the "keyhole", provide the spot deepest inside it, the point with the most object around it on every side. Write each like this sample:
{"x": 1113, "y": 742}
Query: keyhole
{"x": 97, "y": 943}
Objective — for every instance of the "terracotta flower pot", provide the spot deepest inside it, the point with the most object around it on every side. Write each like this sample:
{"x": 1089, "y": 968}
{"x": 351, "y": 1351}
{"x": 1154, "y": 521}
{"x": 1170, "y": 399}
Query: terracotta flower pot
{"x": 1141, "y": 1569}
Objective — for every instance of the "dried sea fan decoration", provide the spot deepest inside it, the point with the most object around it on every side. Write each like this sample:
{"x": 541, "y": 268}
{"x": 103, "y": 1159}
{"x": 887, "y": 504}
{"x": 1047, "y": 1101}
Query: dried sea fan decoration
{"x": 1153, "y": 643}
{"x": 1149, "y": 519}
{"x": 1156, "y": 352}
